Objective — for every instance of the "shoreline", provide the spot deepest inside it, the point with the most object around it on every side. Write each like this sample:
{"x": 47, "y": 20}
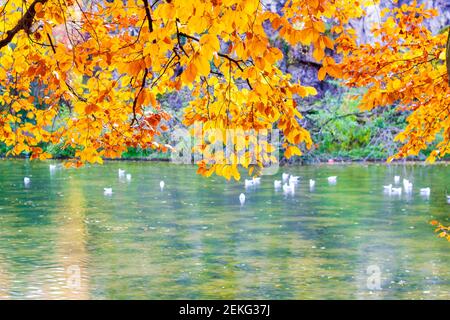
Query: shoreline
{"x": 320, "y": 163}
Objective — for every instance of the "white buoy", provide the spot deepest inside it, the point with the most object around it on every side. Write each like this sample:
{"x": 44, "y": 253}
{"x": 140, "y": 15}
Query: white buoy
{"x": 293, "y": 179}
{"x": 332, "y": 179}
{"x": 277, "y": 184}
{"x": 256, "y": 180}
{"x": 397, "y": 191}
{"x": 128, "y": 177}
{"x": 448, "y": 199}
{"x": 285, "y": 176}
{"x": 312, "y": 183}
{"x": 121, "y": 173}
{"x": 26, "y": 181}
{"x": 161, "y": 185}
{"x": 388, "y": 188}
{"x": 52, "y": 167}
{"x": 107, "y": 191}
{"x": 397, "y": 179}
{"x": 288, "y": 188}
{"x": 407, "y": 185}
{"x": 425, "y": 191}
{"x": 242, "y": 199}
{"x": 249, "y": 183}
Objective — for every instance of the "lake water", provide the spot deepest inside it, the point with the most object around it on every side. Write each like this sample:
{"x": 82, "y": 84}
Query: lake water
{"x": 61, "y": 237}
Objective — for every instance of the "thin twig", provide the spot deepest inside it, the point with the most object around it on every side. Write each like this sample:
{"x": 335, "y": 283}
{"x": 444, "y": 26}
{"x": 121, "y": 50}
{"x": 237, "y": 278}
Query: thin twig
{"x": 24, "y": 23}
{"x": 144, "y": 78}
{"x": 149, "y": 15}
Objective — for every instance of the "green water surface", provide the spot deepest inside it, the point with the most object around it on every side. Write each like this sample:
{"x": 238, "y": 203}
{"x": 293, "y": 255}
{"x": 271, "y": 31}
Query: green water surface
{"x": 61, "y": 237}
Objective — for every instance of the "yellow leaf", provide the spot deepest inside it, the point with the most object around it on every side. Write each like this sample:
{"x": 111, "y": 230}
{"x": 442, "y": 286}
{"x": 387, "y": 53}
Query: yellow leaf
{"x": 189, "y": 74}
{"x": 322, "y": 73}
{"x": 38, "y": 7}
{"x": 328, "y": 42}
{"x": 202, "y": 64}
{"x": 318, "y": 54}
{"x": 396, "y": 84}
{"x": 292, "y": 151}
{"x": 434, "y": 222}
{"x": 310, "y": 91}
{"x": 210, "y": 42}
{"x": 260, "y": 63}
{"x": 91, "y": 108}
{"x": 45, "y": 156}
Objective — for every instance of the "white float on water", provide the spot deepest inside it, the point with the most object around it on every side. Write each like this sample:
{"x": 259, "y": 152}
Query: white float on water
{"x": 242, "y": 199}
{"x": 161, "y": 185}
{"x": 407, "y": 185}
{"x": 26, "y": 181}
{"x": 121, "y": 173}
{"x": 425, "y": 191}
{"x": 285, "y": 176}
{"x": 128, "y": 177}
{"x": 256, "y": 180}
{"x": 107, "y": 191}
{"x": 249, "y": 183}
{"x": 312, "y": 183}
{"x": 293, "y": 179}
{"x": 277, "y": 184}
{"x": 332, "y": 179}
{"x": 397, "y": 179}
{"x": 288, "y": 188}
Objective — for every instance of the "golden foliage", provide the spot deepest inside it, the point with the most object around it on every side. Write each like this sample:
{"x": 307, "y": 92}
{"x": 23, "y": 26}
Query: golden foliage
{"x": 89, "y": 74}
{"x": 441, "y": 230}
{"x": 405, "y": 67}
{"x": 99, "y": 67}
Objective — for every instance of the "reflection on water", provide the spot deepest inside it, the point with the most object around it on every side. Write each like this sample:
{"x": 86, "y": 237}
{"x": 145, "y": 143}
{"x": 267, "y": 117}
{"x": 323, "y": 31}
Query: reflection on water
{"x": 63, "y": 238}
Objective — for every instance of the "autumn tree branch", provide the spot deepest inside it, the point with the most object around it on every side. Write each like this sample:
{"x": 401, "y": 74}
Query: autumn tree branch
{"x": 236, "y": 62}
{"x": 144, "y": 79}
{"x": 24, "y": 23}
{"x": 179, "y": 39}
{"x": 66, "y": 82}
{"x": 306, "y": 62}
{"x": 148, "y": 14}
{"x": 51, "y": 43}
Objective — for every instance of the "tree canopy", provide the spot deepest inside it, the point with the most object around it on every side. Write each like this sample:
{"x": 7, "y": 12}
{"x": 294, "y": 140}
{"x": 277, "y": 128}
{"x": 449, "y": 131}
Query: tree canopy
{"x": 89, "y": 74}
